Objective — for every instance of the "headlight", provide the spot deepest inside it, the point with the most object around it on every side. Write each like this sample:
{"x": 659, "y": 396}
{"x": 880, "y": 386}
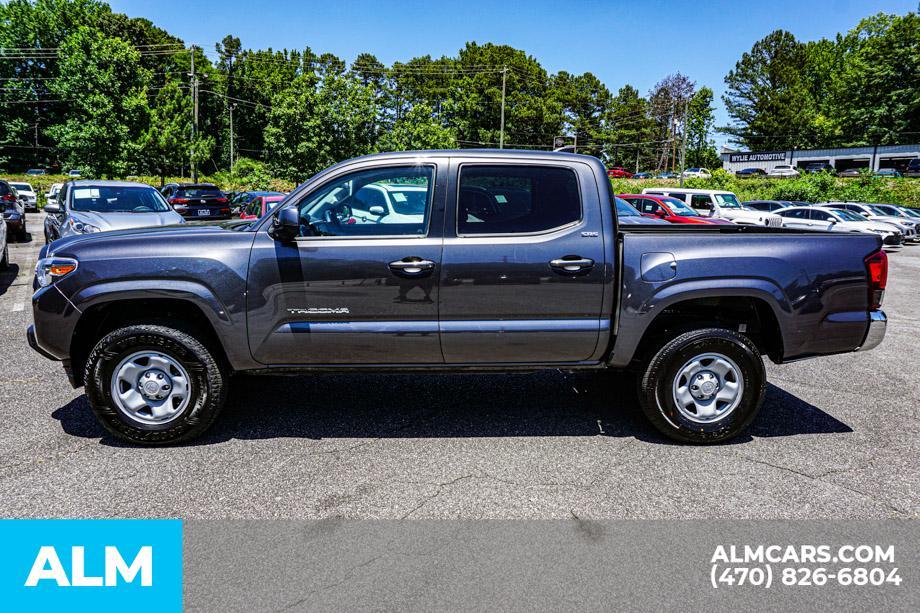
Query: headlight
{"x": 83, "y": 228}
{"x": 49, "y": 270}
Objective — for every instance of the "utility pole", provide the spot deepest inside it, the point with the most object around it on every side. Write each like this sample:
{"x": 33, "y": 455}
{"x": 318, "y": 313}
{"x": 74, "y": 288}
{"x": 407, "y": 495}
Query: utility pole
{"x": 194, "y": 78}
{"x": 232, "y": 106}
{"x": 575, "y": 145}
{"x": 501, "y": 136}
{"x": 683, "y": 146}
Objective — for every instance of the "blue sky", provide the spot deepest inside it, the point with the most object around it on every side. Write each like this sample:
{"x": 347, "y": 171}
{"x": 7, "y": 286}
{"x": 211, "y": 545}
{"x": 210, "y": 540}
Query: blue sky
{"x": 636, "y": 42}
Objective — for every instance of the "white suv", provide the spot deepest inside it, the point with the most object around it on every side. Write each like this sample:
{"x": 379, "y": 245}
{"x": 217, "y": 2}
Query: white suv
{"x": 719, "y": 204}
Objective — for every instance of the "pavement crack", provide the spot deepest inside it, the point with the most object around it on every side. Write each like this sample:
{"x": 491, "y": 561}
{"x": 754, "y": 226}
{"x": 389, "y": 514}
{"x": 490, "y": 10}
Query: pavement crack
{"x": 819, "y": 479}
{"x": 441, "y": 488}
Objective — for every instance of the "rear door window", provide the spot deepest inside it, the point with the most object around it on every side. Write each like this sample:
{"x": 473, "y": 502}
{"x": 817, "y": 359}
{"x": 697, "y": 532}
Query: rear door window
{"x": 196, "y": 191}
{"x": 516, "y": 199}
{"x": 700, "y": 201}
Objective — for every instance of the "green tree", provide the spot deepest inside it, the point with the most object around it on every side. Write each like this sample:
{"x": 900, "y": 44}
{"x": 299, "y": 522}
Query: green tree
{"x": 876, "y": 93}
{"x": 418, "y": 129}
{"x": 768, "y": 97}
{"x": 700, "y": 118}
{"x": 630, "y": 131}
{"x": 316, "y": 123}
{"x": 166, "y": 143}
{"x": 103, "y": 83}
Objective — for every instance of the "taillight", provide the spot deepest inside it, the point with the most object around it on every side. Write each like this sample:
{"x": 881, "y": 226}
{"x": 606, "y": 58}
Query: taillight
{"x": 225, "y": 211}
{"x": 178, "y": 200}
{"x": 220, "y": 200}
{"x": 877, "y": 269}
{"x": 8, "y": 197}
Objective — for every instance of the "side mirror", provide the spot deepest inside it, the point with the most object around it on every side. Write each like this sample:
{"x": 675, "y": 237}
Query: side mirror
{"x": 286, "y": 224}
{"x": 52, "y": 208}
{"x": 660, "y": 213}
{"x": 377, "y": 210}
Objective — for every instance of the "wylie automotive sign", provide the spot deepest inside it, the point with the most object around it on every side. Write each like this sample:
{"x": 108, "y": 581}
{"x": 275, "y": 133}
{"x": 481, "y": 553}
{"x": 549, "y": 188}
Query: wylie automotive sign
{"x": 758, "y": 156}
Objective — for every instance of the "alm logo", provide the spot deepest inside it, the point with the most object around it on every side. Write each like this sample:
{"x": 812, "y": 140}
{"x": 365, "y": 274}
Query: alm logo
{"x": 48, "y": 567}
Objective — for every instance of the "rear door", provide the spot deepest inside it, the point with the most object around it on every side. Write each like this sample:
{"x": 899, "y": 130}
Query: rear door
{"x": 523, "y": 273}
{"x": 350, "y": 290}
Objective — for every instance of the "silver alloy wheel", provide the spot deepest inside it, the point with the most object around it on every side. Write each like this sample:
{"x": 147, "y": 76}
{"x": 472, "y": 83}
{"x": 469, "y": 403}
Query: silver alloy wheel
{"x": 708, "y": 387}
{"x": 150, "y": 387}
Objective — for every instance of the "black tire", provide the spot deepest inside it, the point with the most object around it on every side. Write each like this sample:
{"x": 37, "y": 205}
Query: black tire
{"x": 656, "y": 392}
{"x": 208, "y": 383}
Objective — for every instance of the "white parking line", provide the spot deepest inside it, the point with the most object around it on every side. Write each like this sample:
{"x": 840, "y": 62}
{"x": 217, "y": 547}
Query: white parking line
{"x": 23, "y": 282}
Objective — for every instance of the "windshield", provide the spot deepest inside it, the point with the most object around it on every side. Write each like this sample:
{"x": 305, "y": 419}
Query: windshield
{"x": 889, "y": 210}
{"x": 911, "y": 212}
{"x": 199, "y": 191}
{"x": 848, "y": 215}
{"x": 22, "y": 187}
{"x": 118, "y": 199}
{"x": 624, "y": 209}
{"x": 412, "y": 201}
{"x": 728, "y": 201}
{"x": 877, "y": 211}
{"x": 679, "y": 207}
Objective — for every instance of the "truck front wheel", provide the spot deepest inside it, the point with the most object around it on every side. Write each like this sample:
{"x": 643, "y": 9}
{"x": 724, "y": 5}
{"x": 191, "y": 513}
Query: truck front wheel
{"x": 705, "y": 386}
{"x": 154, "y": 385}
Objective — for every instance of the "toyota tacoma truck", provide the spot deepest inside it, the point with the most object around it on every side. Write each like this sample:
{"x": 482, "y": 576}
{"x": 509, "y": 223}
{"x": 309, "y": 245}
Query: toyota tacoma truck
{"x": 486, "y": 261}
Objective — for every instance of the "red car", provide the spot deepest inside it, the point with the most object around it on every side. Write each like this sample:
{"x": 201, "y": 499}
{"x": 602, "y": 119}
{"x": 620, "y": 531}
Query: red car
{"x": 618, "y": 172}
{"x": 259, "y": 206}
{"x": 669, "y": 209}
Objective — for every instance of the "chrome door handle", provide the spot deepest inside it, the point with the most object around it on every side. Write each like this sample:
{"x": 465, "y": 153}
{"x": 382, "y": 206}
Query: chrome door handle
{"x": 412, "y": 267}
{"x": 572, "y": 264}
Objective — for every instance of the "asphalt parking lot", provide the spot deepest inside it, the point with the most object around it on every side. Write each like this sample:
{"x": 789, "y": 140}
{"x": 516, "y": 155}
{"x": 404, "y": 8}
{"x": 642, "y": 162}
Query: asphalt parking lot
{"x": 837, "y": 438}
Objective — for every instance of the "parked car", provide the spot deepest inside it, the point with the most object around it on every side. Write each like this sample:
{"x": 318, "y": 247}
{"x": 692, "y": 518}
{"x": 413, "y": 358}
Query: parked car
{"x": 386, "y": 203}
{"x": 870, "y": 211}
{"x": 628, "y": 215}
{"x": 239, "y": 200}
{"x": 890, "y": 173}
{"x": 27, "y": 196}
{"x": 197, "y": 200}
{"x": 747, "y": 173}
{"x": 768, "y": 206}
{"x": 618, "y": 172}
{"x": 897, "y": 211}
{"x": 74, "y": 174}
{"x": 545, "y": 278}
{"x": 14, "y": 214}
{"x": 837, "y": 220}
{"x": 668, "y": 209}
{"x": 913, "y": 168}
{"x": 4, "y": 246}
{"x": 36, "y": 172}
{"x": 259, "y": 206}
{"x": 52, "y": 193}
{"x": 852, "y": 173}
{"x": 697, "y": 173}
{"x": 783, "y": 171}
{"x": 642, "y": 175}
{"x": 814, "y": 167}
{"x": 718, "y": 204}
{"x": 88, "y": 207}
{"x": 667, "y": 175}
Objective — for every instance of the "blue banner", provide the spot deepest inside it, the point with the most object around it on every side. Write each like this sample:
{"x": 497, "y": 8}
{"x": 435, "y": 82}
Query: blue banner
{"x": 91, "y": 565}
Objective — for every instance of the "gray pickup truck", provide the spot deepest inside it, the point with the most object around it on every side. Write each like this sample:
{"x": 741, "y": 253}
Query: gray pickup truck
{"x": 449, "y": 260}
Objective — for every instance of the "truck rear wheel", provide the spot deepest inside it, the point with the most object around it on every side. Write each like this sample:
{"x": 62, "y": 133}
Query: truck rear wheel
{"x": 154, "y": 385}
{"x": 705, "y": 386}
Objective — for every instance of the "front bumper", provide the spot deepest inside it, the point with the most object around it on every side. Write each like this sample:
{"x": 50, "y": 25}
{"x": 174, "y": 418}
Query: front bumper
{"x": 878, "y": 323}
{"x": 33, "y": 343}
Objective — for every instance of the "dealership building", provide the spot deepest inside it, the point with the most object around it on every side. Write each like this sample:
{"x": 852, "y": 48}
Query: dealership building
{"x": 881, "y": 156}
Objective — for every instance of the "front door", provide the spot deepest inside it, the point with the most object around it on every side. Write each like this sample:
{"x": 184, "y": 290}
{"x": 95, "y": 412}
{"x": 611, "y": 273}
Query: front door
{"x": 355, "y": 287}
{"x": 524, "y": 264}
